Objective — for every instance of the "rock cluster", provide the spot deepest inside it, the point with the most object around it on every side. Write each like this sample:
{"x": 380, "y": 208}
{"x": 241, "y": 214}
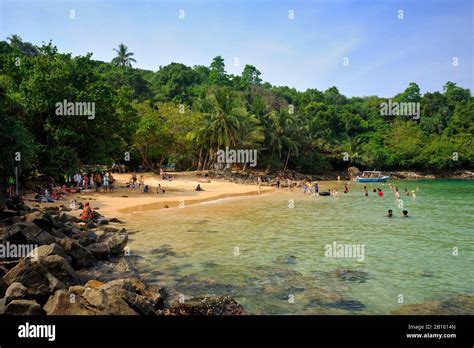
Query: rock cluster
{"x": 251, "y": 178}
{"x": 457, "y": 174}
{"x": 80, "y": 268}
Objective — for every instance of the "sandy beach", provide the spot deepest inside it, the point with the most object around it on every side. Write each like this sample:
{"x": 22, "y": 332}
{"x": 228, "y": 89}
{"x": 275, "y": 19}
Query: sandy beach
{"x": 180, "y": 190}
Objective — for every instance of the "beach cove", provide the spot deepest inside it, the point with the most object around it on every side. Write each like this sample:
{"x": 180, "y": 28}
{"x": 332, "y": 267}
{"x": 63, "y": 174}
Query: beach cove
{"x": 271, "y": 258}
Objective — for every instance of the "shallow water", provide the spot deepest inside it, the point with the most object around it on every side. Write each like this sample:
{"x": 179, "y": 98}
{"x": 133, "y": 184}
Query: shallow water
{"x": 271, "y": 258}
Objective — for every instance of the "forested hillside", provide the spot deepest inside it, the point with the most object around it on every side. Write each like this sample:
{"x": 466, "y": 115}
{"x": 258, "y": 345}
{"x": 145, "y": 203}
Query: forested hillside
{"x": 185, "y": 114}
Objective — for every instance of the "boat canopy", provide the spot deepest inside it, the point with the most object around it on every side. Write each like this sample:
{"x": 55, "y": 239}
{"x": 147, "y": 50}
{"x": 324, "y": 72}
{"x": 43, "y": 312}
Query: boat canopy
{"x": 371, "y": 173}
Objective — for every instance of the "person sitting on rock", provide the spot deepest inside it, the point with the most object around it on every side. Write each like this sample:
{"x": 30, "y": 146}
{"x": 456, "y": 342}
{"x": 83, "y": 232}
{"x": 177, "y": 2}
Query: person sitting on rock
{"x": 87, "y": 213}
{"x": 199, "y": 188}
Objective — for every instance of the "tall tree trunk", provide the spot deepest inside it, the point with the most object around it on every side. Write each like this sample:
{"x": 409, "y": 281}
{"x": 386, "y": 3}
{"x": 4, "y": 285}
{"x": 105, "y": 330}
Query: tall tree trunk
{"x": 200, "y": 158}
{"x": 205, "y": 162}
{"x": 149, "y": 165}
{"x": 210, "y": 161}
{"x": 287, "y": 158}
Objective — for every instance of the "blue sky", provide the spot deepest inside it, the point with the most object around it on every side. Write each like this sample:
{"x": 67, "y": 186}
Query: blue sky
{"x": 385, "y": 53}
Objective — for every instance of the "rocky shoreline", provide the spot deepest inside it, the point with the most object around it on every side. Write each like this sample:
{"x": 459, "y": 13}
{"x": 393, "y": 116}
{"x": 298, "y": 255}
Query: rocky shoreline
{"x": 81, "y": 268}
{"x": 269, "y": 179}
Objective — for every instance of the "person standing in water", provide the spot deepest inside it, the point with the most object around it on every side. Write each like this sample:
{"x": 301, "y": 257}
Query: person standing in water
{"x": 397, "y": 194}
{"x": 366, "y": 192}
{"x": 379, "y": 192}
{"x": 278, "y": 181}
{"x": 413, "y": 195}
{"x": 346, "y": 189}
{"x": 390, "y": 213}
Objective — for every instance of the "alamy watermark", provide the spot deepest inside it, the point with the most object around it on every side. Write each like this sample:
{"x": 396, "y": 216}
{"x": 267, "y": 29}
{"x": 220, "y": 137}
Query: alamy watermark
{"x": 37, "y": 331}
{"x": 229, "y": 156}
{"x": 66, "y": 108}
{"x": 14, "y": 251}
{"x": 338, "y": 250}
{"x": 390, "y": 108}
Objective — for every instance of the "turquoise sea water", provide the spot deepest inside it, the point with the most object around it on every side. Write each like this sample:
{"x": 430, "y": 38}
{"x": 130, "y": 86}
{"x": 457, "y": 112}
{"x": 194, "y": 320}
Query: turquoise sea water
{"x": 271, "y": 258}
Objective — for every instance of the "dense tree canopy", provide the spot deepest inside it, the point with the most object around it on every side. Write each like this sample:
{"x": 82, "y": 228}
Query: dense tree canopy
{"x": 185, "y": 114}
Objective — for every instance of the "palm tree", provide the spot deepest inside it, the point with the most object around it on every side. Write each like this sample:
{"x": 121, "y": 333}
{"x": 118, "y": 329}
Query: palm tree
{"x": 225, "y": 122}
{"x": 124, "y": 58}
{"x": 15, "y": 40}
{"x": 24, "y": 47}
{"x": 353, "y": 147}
{"x": 284, "y": 135}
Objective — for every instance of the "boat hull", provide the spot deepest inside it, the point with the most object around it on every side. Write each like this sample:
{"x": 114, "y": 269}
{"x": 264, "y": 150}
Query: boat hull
{"x": 381, "y": 179}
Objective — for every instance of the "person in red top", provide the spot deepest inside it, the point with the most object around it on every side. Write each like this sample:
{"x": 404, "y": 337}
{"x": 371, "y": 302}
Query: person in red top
{"x": 380, "y": 193}
{"x": 86, "y": 212}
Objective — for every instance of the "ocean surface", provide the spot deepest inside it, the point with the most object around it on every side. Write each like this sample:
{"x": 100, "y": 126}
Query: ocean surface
{"x": 289, "y": 253}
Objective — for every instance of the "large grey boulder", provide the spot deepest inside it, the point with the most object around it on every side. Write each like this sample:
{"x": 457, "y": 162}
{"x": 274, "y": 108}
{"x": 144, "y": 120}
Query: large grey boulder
{"x": 81, "y": 257}
{"x": 100, "y": 251}
{"x": 120, "y": 297}
{"x": 46, "y": 250}
{"x": 67, "y": 303}
{"x": 85, "y": 238}
{"x": 63, "y": 217}
{"x": 23, "y": 307}
{"x": 16, "y": 291}
{"x": 32, "y": 275}
{"x": 60, "y": 269}
{"x": 116, "y": 241}
{"x": 28, "y": 233}
{"x": 42, "y": 219}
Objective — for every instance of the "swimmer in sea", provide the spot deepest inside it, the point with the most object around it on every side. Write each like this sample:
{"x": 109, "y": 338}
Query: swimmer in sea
{"x": 405, "y": 213}
{"x": 390, "y": 213}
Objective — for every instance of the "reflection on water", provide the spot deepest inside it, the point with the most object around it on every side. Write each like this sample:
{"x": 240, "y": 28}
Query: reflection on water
{"x": 271, "y": 258}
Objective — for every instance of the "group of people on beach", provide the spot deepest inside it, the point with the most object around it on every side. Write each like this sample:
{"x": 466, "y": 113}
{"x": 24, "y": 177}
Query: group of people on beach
{"x": 50, "y": 193}
{"x": 138, "y": 184}
{"x": 99, "y": 181}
